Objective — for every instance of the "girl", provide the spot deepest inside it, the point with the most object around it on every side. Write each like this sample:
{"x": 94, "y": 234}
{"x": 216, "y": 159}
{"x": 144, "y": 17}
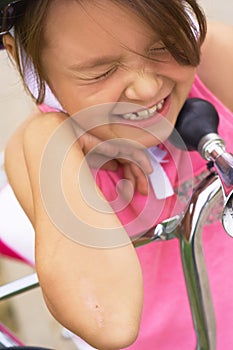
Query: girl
{"x": 137, "y": 61}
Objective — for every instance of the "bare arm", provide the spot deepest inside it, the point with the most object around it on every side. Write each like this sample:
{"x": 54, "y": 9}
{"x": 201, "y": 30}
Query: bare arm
{"x": 216, "y": 68}
{"x": 96, "y": 293}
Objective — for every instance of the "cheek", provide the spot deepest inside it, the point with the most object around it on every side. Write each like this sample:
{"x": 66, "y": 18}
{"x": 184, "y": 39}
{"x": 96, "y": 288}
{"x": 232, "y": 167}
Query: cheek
{"x": 177, "y": 73}
{"x": 186, "y": 76}
{"x": 183, "y": 86}
{"x": 77, "y": 98}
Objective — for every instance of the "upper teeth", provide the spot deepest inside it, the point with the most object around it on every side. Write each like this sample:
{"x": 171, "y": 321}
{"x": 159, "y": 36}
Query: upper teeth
{"x": 145, "y": 113}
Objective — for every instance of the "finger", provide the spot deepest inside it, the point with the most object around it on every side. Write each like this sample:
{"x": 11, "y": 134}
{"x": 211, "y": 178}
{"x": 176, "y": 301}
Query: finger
{"x": 99, "y": 161}
{"x": 111, "y": 165}
{"x": 90, "y": 143}
{"x": 136, "y": 156}
{"x": 140, "y": 178}
{"x": 143, "y": 161}
{"x": 129, "y": 184}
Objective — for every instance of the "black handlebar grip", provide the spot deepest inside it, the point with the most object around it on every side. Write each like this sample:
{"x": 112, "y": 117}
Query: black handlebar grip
{"x": 196, "y": 119}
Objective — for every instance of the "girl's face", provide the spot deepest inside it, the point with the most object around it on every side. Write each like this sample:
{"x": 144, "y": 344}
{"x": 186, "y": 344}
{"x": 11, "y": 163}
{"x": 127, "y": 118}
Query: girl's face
{"x": 94, "y": 55}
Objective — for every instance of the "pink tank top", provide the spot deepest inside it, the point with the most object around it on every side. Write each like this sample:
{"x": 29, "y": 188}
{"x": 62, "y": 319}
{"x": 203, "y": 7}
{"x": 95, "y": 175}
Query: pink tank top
{"x": 166, "y": 319}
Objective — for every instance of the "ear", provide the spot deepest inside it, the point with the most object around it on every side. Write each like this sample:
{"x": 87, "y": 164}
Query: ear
{"x": 9, "y": 43}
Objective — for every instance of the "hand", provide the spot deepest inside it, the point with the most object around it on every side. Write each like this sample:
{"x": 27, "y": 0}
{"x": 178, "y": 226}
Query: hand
{"x": 109, "y": 154}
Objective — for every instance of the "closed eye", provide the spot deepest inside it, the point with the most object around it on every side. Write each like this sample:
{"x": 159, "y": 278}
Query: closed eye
{"x": 100, "y": 77}
{"x": 106, "y": 74}
{"x": 158, "y": 50}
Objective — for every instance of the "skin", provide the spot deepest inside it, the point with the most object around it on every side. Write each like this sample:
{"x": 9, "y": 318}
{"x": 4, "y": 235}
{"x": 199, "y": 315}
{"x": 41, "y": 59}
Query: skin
{"x": 82, "y": 278}
{"x": 216, "y": 69}
{"x": 130, "y": 79}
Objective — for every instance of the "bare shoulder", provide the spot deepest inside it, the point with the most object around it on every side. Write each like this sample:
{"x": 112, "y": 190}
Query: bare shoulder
{"x": 26, "y": 136}
{"x": 216, "y": 67}
{"x": 16, "y": 168}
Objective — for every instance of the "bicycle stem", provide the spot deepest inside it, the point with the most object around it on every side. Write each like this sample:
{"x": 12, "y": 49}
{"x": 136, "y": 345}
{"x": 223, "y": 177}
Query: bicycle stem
{"x": 191, "y": 248}
{"x": 188, "y": 229}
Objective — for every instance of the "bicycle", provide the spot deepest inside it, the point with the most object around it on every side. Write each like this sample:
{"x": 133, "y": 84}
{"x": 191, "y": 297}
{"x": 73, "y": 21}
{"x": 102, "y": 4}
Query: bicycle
{"x": 186, "y": 227}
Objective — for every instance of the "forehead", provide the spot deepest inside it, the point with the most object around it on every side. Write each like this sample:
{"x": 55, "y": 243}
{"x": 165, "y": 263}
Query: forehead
{"x": 94, "y": 26}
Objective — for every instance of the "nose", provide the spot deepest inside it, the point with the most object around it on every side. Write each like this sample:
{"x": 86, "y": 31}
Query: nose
{"x": 143, "y": 86}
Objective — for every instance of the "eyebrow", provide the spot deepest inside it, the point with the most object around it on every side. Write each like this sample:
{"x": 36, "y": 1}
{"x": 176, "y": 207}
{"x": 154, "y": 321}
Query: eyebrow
{"x": 94, "y": 63}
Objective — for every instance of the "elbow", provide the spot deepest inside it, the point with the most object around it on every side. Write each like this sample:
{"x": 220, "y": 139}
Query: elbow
{"x": 113, "y": 337}
{"x": 116, "y": 330}
{"x": 116, "y": 337}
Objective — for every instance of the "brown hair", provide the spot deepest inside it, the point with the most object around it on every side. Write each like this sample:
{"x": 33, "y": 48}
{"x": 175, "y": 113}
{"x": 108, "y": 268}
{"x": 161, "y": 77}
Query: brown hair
{"x": 169, "y": 18}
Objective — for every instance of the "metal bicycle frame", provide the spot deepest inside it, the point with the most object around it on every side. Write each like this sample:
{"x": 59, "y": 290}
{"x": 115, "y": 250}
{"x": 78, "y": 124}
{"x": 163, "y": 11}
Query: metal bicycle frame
{"x": 188, "y": 229}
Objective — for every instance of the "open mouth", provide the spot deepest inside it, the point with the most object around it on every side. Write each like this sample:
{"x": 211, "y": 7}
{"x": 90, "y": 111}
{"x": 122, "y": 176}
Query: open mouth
{"x": 142, "y": 114}
{"x": 145, "y": 113}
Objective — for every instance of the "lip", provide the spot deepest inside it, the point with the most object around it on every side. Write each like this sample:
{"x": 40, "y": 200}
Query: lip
{"x": 145, "y": 122}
